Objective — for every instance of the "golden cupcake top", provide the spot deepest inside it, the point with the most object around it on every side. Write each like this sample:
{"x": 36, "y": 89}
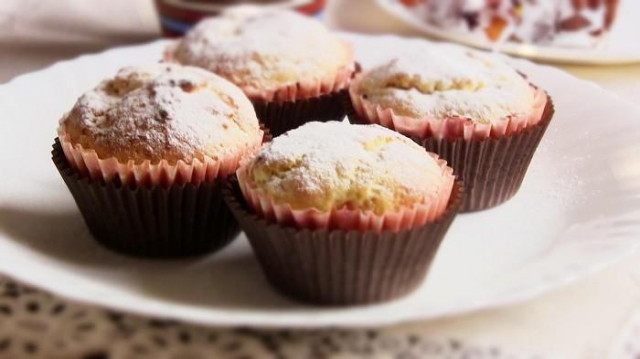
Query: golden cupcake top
{"x": 162, "y": 111}
{"x": 439, "y": 81}
{"x": 336, "y": 165}
{"x": 263, "y": 49}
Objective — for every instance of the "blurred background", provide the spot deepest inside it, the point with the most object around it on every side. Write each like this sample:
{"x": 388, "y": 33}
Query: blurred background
{"x": 37, "y": 33}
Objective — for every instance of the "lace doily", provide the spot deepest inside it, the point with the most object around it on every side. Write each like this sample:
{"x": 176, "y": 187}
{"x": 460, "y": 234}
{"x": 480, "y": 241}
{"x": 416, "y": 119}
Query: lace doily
{"x": 34, "y": 324}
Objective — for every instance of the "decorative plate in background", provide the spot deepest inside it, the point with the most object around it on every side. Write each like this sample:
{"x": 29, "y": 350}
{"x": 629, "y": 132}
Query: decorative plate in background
{"x": 577, "y": 211}
{"x": 621, "y": 46}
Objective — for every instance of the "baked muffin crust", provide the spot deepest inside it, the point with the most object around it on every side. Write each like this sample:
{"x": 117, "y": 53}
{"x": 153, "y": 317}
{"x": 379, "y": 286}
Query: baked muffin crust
{"x": 335, "y": 165}
{"x": 162, "y": 112}
{"x": 437, "y": 82}
{"x": 261, "y": 50}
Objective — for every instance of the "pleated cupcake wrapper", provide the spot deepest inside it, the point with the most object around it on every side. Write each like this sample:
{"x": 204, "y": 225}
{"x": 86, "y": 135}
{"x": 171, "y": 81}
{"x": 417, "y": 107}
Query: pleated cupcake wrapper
{"x": 347, "y": 219}
{"x": 182, "y": 220}
{"x": 87, "y": 162}
{"x": 342, "y": 267}
{"x": 492, "y": 169}
{"x": 280, "y": 117}
{"x": 289, "y": 111}
{"x": 294, "y": 91}
{"x": 304, "y": 89}
{"x": 451, "y": 127}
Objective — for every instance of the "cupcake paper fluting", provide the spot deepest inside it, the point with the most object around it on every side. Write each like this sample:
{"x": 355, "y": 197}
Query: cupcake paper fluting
{"x": 452, "y": 127}
{"x": 152, "y": 222}
{"x": 338, "y": 267}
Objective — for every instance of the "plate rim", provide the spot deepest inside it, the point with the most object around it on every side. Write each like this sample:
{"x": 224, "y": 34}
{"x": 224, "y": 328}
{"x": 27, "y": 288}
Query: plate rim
{"x": 227, "y": 318}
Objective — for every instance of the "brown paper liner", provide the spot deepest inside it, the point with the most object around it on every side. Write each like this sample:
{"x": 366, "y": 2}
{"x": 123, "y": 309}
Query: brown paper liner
{"x": 492, "y": 169}
{"x": 154, "y": 222}
{"x": 280, "y": 117}
{"x": 341, "y": 267}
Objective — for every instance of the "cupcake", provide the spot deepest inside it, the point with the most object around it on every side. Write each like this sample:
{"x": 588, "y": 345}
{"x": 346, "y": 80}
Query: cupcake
{"x": 145, "y": 155}
{"x": 334, "y": 216}
{"x": 290, "y": 66}
{"x": 479, "y": 114}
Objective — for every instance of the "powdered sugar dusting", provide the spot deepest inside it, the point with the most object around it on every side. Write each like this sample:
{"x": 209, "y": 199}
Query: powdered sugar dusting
{"x": 263, "y": 49}
{"x": 162, "y": 111}
{"x": 334, "y": 164}
{"x": 437, "y": 82}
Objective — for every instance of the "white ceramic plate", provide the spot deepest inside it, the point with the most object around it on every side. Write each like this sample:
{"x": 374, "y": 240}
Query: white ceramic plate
{"x": 621, "y": 46}
{"x": 576, "y": 212}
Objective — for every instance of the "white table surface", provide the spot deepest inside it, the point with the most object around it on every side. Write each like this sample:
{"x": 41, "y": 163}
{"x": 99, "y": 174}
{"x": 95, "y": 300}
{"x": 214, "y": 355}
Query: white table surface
{"x": 583, "y": 320}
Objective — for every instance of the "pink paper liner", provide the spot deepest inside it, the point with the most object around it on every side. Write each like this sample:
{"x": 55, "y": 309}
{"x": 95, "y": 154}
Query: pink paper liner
{"x": 451, "y": 127}
{"x": 298, "y": 90}
{"x": 346, "y": 219}
{"x": 163, "y": 173}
